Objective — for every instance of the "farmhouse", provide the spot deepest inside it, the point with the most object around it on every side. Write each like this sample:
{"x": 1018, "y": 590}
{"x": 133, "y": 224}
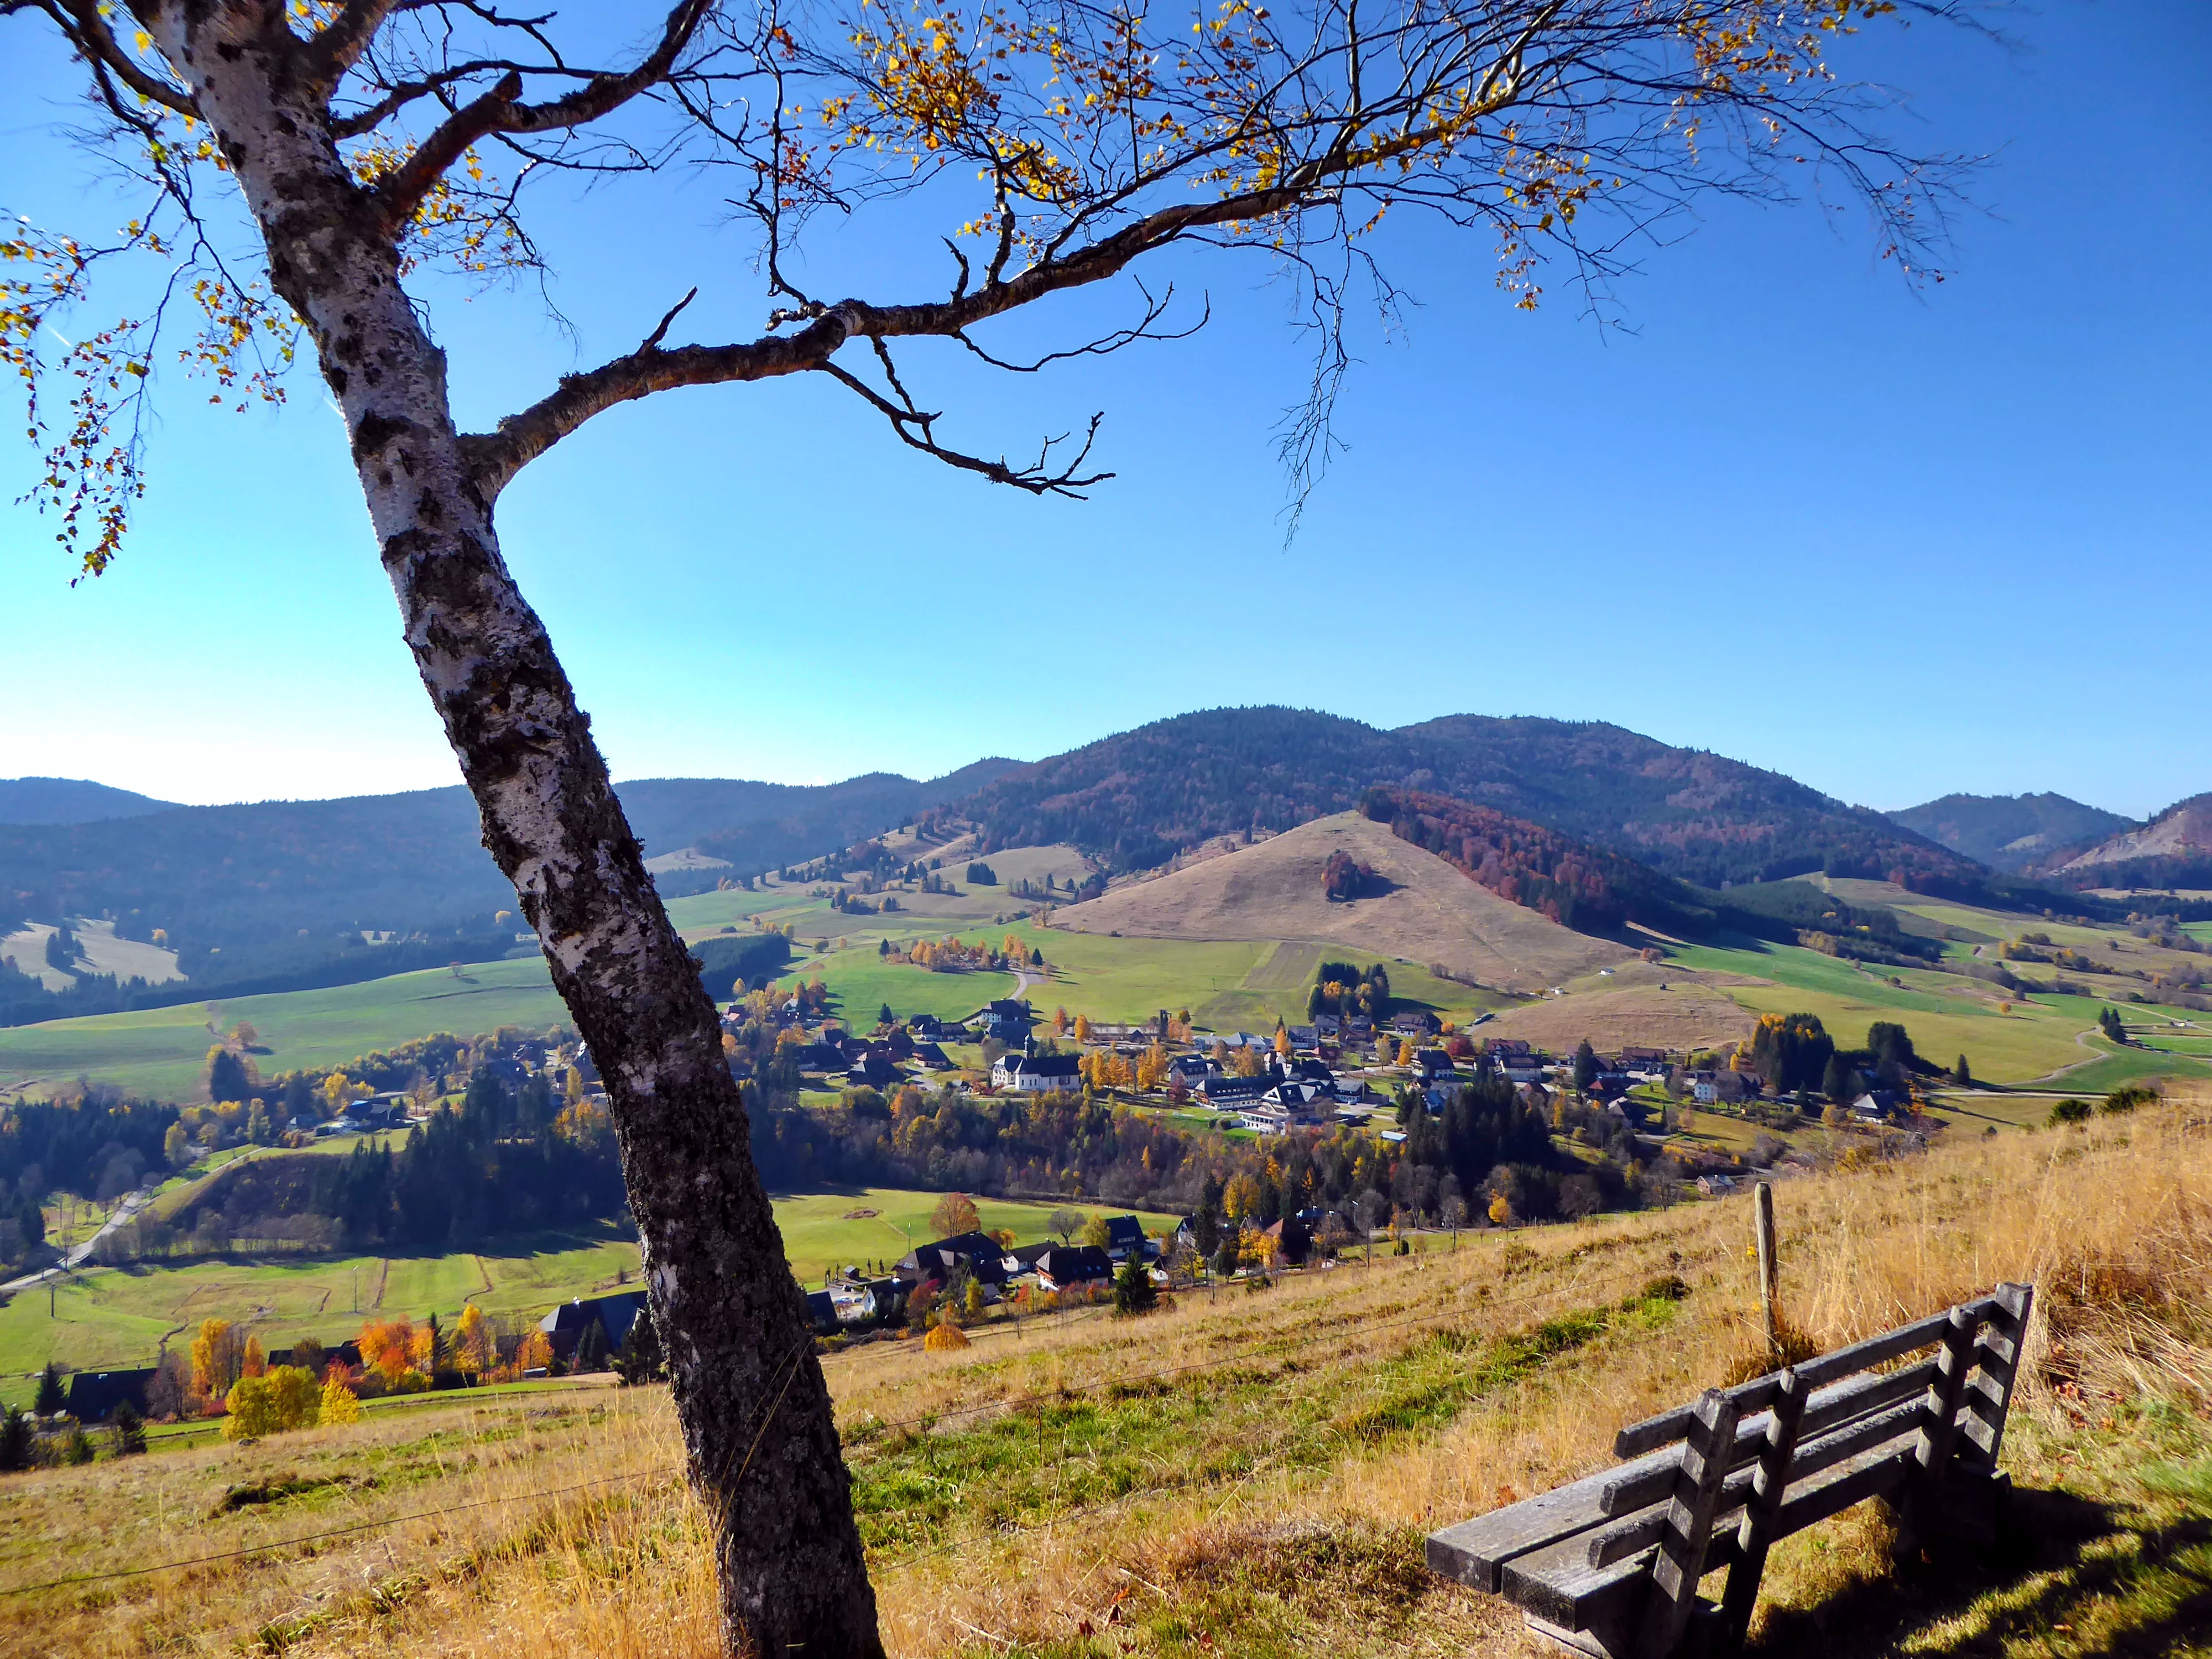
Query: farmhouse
{"x": 983, "y": 1256}
{"x": 1065, "y": 1266}
{"x": 1037, "y": 1074}
{"x": 565, "y": 1326}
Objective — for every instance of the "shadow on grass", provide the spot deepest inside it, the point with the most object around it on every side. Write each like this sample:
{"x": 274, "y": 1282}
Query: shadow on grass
{"x": 2070, "y": 1576}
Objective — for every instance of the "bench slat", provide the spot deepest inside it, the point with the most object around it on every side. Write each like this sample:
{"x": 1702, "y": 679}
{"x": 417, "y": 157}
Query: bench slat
{"x": 1878, "y": 1349}
{"x": 1883, "y": 1469}
{"x": 1473, "y": 1551}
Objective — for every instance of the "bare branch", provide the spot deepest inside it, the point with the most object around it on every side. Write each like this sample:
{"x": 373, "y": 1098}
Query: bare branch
{"x": 80, "y": 20}
{"x": 337, "y": 48}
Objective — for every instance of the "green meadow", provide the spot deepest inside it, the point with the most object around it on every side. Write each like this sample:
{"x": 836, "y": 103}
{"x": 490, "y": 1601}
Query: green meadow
{"x": 1226, "y": 985}
{"x": 821, "y": 1231}
{"x": 1947, "y": 1014}
{"x": 119, "y": 1317}
{"x": 161, "y": 1053}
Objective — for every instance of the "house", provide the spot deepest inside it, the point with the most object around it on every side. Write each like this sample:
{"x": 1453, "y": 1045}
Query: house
{"x": 1715, "y": 1186}
{"x": 1037, "y": 1074}
{"x": 1359, "y": 1029}
{"x": 935, "y": 1058}
{"x": 1875, "y": 1106}
{"x": 1125, "y": 1235}
{"x": 1302, "y": 1038}
{"x": 1352, "y": 1091}
{"x": 1221, "y": 1090}
{"x": 93, "y": 1395}
{"x": 1438, "y": 1097}
{"x": 1646, "y": 1060}
{"x": 1328, "y": 1026}
{"x": 1420, "y": 1022}
{"x": 565, "y": 1326}
{"x": 1432, "y": 1063}
{"x": 816, "y": 1056}
{"x": 1007, "y": 1021}
{"x": 1522, "y": 1069}
{"x": 1070, "y": 1267}
{"x": 936, "y": 1029}
{"x": 875, "y": 1071}
{"x": 983, "y": 1256}
{"x": 1191, "y": 1070}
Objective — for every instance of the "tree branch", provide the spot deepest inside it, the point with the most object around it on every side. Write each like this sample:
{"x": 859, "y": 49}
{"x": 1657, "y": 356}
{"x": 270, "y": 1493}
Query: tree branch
{"x": 336, "y": 49}
{"x": 500, "y": 111}
{"x": 79, "y": 22}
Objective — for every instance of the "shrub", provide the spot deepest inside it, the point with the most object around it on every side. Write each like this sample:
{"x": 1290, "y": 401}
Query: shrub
{"x": 252, "y": 1405}
{"x": 78, "y": 1447}
{"x": 15, "y": 1440}
{"x": 294, "y": 1397}
{"x": 130, "y": 1431}
{"x": 1134, "y": 1293}
{"x": 2070, "y": 1111}
{"x": 2127, "y": 1097}
{"x": 945, "y": 1338}
{"x": 340, "y": 1404}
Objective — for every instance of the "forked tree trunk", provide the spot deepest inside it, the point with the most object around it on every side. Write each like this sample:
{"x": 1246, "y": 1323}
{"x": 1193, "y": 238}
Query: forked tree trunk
{"x": 761, "y": 1444}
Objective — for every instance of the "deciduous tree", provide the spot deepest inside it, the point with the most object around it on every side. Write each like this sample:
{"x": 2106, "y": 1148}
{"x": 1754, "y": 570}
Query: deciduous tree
{"x": 366, "y": 140}
{"x": 956, "y": 1213}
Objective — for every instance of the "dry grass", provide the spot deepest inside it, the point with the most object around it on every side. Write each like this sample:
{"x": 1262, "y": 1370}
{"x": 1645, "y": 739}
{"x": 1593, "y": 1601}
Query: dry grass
{"x": 1252, "y": 1474}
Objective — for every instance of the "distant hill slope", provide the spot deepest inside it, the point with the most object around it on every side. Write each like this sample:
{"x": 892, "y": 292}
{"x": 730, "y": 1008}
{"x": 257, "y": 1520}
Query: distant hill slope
{"x": 2174, "y": 849}
{"x": 1430, "y": 914}
{"x": 2009, "y": 832}
{"x": 70, "y": 800}
{"x": 1136, "y": 798}
{"x": 275, "y": 893}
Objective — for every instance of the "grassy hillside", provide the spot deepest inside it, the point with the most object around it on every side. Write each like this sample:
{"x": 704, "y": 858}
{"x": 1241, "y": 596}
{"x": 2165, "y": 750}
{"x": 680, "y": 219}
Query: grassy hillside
{"x": 1428, "y": 913}
{"x": 111, "y": 1316}
{"x": 161, "y": 1053}
{"x": 1252, "y": 1474}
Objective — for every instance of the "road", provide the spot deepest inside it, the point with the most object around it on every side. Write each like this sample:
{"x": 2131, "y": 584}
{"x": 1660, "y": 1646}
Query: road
{"x": 80, "y": 1254}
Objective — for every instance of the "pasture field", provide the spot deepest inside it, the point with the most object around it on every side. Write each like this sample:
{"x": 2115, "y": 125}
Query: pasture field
{"x": 161, "y": 1053}
{"x": 1947, "y": 1015}
{"x": 118, "y": 1316}
{"x": 1245, "y": 1475}
{"x": 820, "y": 1233}
{"x": 1227, "y": 986}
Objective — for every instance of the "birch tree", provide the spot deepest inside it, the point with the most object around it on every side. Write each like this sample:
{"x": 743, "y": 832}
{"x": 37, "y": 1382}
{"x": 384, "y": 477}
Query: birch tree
{"x": 297, "y": 165}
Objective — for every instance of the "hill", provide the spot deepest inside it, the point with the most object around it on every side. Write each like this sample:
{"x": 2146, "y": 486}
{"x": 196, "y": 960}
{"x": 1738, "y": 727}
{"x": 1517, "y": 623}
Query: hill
{"x": 277, "y": 894}
{"x": 2174, "y": 849}
{"x": 1247, "y": 1474}
{"x": 1136, "y": 798}
{"x": 1421, "y": 909}
{"x": 70, "y": 800}
{"x": 2013, "y": 833}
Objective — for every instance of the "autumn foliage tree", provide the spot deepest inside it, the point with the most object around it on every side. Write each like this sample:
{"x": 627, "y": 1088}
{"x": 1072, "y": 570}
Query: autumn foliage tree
{"x": 301, "y": 171}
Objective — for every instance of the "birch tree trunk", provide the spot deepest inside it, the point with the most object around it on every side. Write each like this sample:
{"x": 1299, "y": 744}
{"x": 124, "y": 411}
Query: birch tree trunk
{"x": 761, "y": 1442}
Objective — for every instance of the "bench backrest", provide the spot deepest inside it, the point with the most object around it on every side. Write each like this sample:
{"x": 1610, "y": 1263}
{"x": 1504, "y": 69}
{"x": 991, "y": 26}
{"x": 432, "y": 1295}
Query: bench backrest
{"x": 1715, "y": 1484}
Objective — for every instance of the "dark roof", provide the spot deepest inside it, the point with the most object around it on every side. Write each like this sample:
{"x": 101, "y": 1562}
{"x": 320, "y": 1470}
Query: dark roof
{"x": 822, "y": 1310}
{"x": 930, "y": 1054}
{"x": 1006, "y": 1008}
{"x": 1124, "y": 1232}
{"x": 1043, "y": 1064}
{"x": 980, "y": 1254}
{"x": 93, "y": 1395}
{"x": 1075, "y": 1264}
{"x": 614, "y": 1314}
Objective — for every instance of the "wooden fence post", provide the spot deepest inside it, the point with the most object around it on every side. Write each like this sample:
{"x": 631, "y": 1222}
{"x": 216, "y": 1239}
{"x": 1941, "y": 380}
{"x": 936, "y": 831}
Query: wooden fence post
{"x": 1768, "y": 1268}
{"x": 1681, "y": 1559}
{"x": 1760, "y": 1510}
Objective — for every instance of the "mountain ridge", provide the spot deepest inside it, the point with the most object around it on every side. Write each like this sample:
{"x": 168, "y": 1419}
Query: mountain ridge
{"x": 2012, "y": 833}
{"x": 33, "y": 801}
{"x": 1136, "y": 798}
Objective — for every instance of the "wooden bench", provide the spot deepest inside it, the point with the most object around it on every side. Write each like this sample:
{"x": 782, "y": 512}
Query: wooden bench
{"x": 1609, "y": 1567}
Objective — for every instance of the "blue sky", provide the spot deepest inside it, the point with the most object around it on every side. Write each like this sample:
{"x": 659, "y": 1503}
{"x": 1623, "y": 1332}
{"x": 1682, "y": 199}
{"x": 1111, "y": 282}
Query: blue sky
{"x": 1892, "y": 543}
